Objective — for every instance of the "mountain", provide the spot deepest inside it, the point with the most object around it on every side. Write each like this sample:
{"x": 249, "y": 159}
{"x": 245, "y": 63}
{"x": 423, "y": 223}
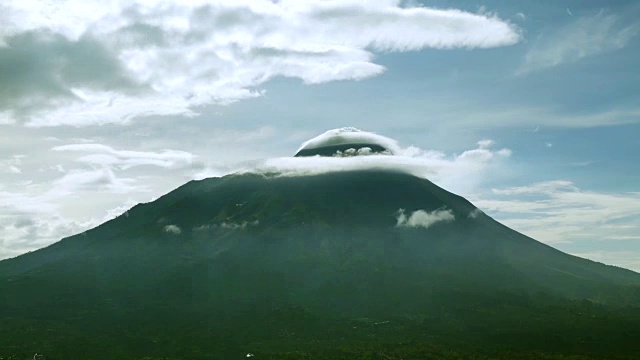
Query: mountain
{"x": 336, "y": 265}
{"x": 343, "y": 149}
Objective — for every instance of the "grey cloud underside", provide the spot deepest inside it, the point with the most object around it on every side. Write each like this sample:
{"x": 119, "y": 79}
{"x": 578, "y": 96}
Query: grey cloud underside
{"x": 40, "y": 69}
{"x": 144, "y": 59}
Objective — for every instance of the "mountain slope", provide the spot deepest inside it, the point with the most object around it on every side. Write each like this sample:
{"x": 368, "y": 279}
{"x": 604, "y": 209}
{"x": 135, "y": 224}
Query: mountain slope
{"x": 225, "y": 250}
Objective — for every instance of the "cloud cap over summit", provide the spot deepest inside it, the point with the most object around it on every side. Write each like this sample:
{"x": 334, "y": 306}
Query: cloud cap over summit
{"x": 348, "y": 141}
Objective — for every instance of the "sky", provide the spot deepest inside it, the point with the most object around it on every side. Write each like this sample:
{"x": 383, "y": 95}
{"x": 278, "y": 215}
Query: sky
{"x": 528, "y": 109}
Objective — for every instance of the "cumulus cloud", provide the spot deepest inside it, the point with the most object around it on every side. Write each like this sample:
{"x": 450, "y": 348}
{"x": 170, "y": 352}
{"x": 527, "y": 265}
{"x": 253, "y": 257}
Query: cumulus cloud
{"x": 584, "y": 37}
{"x": 172, "y": 229}
{"x": 96, "y": 62}
{"x": 363, "y": 151}
{"x": 422, "y": 218}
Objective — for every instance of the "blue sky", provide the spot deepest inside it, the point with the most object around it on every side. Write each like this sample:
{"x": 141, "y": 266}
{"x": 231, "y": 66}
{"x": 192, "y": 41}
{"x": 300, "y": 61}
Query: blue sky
{"x": 106, "y": 104}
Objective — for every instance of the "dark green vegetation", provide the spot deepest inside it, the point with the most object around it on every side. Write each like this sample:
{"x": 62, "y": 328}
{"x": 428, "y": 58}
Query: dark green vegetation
{"x": 308, "y": 268}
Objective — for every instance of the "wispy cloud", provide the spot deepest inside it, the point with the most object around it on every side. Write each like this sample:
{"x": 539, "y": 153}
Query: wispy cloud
{"x": 535, "y": 116}
{"x": 124, "y": 159}
{"x": 53, "y": 203}
{"x": 26, "y": 232}
{"x": 92, "y": 62}
{"x": 560, "y": 212}
{"x": 38, "y": 213}
{"x": 34, "y": 200}
{"x": 43, "y": 213}
{"x": 11, "y": 165}
{"x": 584, "y": 37}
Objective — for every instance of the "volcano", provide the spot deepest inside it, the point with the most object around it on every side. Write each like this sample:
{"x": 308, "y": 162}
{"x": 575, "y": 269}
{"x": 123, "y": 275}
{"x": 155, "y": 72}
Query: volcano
{"x": 342, "y": 264}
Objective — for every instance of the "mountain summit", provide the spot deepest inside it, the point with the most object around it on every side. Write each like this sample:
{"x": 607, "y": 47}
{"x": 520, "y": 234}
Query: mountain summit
{"x": 347, "y": 142}
{"x": 273, "y": 264}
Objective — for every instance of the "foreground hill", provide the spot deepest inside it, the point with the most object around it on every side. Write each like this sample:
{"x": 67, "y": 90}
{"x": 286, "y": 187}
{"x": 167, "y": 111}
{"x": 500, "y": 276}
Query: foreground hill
{"x": 331, "y": 265}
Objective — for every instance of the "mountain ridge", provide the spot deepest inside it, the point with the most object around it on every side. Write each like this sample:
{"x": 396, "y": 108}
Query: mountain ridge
{"x": 325, "y": 249}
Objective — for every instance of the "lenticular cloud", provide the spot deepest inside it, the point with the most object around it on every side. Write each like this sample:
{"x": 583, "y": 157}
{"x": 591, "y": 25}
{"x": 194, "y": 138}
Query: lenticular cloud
{"x": 349, "y": 141}
{"x": 459, "y": 173}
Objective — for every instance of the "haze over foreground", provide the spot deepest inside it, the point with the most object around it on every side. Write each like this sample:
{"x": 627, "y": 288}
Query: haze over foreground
{"x": 357, "y": 258}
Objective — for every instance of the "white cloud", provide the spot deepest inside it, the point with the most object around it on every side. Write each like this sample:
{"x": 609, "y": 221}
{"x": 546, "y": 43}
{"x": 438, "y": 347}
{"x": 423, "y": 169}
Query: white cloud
{"x": 125, "y": 159}
{"x": 28, "y": 232}
{"x": 167, "y": 57}
{"x": 560, "y": 212}
{"x": 44, "y": 213}
{"x": 475, "y": 213}
{"x": 11, "y": 165}
{"x": 100, "y": 183}
{"x": 458, "y": 173}
{"x": 172, "y": 229}
{"x": 35, "y": 200}
{"x": 38, "y": 213}
{"x": 484, "y": 144}
{"x": 363, "y": 151}
{"x": 350, "y": 135}
{"x": 107, "y": 177}
{"x": 422, "y": 218}
{"x": 465, "y": 114}
{"x": 102, "y": 179}
{"x": 584, "y": 37}
{"x": 119, "y": 210}
{"x": 6, "y": 116}
{"x": 547, "y": 188}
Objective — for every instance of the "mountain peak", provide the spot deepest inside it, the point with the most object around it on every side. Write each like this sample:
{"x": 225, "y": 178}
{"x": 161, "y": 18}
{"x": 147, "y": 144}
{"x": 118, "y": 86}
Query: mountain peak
{"x": 227, "y": 262}
{"x": 348, "y": 141}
